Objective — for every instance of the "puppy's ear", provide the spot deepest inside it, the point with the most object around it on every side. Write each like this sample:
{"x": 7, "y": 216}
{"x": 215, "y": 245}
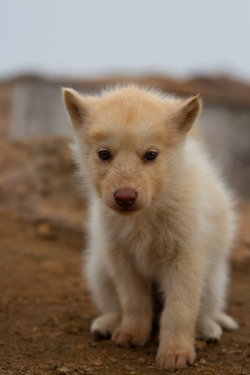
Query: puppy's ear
{"x": 186, "y": 113}
{"x": 78, "y": 106}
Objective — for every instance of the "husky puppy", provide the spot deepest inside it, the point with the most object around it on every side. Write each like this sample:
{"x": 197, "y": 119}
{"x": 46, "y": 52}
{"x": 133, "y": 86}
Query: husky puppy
{"x": 159, "y": 214}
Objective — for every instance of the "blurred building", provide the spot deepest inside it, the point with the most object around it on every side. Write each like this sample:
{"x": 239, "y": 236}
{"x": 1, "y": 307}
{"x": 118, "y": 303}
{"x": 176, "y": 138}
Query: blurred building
{"x": 31, "y": 106}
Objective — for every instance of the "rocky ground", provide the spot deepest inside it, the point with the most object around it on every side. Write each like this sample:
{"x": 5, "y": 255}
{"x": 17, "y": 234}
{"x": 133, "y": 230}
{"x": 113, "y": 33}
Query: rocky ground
{"x": 45, "y": 309}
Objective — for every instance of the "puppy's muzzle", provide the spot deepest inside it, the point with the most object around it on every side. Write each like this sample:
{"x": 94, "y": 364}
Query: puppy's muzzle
{"x": 125, "y": 198}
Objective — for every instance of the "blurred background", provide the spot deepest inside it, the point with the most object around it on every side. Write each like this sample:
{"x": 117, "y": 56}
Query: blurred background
{"x": 180, "y": 47}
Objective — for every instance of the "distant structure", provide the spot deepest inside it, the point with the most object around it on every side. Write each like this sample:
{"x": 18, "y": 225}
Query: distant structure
{"x": 31, "y": 106}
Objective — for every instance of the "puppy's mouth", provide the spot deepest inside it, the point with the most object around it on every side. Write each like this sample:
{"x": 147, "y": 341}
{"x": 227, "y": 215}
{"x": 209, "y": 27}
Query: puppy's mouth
{"x": 126, "y": 210}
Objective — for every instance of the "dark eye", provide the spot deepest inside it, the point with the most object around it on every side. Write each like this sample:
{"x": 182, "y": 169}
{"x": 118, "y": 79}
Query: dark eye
{"x": 104, "y": 154}
{"x": 150, "y": 155}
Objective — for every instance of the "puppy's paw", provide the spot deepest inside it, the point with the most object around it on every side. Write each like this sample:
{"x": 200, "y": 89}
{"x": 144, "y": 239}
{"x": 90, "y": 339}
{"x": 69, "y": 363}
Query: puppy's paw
{"x": 226, "y": 322}
{"x": 208, "y": 329}
{"x": 128, "y": 337}
{"x": 104, "y": 325}
{"x": 173, "y": 359}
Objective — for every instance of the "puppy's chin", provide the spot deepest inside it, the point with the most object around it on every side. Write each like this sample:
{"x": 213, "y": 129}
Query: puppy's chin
{"x": 124, "y": 211}
{"x": 129, "y": 211}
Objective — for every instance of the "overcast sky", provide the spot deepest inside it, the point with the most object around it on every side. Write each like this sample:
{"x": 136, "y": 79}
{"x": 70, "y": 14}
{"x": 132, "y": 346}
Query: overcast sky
{"x": 95, "y": 37}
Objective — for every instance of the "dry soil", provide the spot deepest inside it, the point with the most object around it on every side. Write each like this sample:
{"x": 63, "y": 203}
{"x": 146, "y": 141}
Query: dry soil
{"x": 45, "y": 314}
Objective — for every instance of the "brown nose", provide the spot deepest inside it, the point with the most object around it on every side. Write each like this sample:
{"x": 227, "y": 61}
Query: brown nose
{"x": 125, "y": 197}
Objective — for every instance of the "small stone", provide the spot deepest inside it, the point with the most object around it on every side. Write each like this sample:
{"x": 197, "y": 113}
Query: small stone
{"x": 142, "y": 360}
{"x": 203, "y": 362}
{"x": 88, "y": 370}
{"x": 63, "y": 369}
{"x": 45, "y": 231}
{"x": 129, "y": 368}
{"x": 201, "y": 345}
{"x": 112, "y": 359}
{"x": 97, "y": 362}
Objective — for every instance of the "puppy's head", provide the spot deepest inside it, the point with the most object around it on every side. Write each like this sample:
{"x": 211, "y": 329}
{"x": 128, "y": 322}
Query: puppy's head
{"x": 128, "y": 142}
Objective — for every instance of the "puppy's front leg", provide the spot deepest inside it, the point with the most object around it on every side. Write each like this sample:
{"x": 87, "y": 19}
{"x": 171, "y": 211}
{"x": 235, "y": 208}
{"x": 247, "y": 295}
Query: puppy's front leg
{"x": 134, "y": 296}
{"x": 182, "y": 287}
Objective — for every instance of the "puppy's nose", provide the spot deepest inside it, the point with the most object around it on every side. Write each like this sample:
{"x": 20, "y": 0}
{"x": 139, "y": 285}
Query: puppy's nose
{"x": 125, "y": 197}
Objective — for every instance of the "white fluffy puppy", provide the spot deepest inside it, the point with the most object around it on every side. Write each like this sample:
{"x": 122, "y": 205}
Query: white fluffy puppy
{"x": 159, "y": 214}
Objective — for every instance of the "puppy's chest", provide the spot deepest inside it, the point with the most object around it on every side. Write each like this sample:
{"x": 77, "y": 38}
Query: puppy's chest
{"x": 150, "y": 245}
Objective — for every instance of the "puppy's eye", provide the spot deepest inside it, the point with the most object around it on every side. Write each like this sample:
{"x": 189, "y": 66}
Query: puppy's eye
{"x": 150, "y": 155}
{"x": 104, "y": 154}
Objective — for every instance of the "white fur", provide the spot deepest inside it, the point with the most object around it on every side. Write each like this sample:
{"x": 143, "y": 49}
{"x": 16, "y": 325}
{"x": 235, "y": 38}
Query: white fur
{"x": 138, "y": 236}
{"x": 179, "y": 239}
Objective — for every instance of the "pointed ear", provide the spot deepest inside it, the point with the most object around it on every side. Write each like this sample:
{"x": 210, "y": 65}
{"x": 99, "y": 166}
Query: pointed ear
{"x": 77, "y": 105}
{"x": 187, "y": 112}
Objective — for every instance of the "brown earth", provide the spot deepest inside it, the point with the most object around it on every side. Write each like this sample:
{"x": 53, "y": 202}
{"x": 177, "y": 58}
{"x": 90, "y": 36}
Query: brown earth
{"x": 45, "y": 309}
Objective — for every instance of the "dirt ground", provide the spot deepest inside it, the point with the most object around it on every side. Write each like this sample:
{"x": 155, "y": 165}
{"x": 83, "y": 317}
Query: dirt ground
{"x": 45, "y": 308}
{"x": 45, "y": 314}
